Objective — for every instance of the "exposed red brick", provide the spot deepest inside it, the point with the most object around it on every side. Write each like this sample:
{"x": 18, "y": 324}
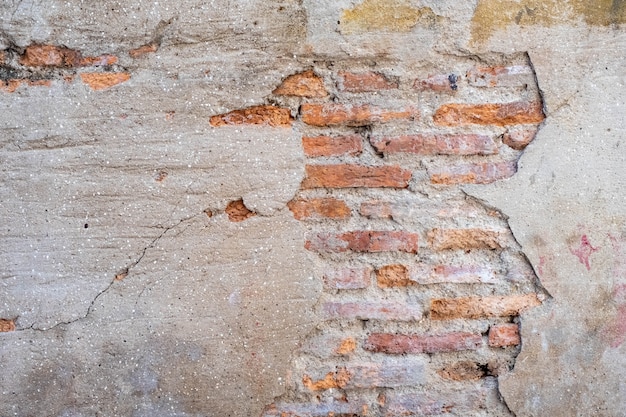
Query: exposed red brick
{"x": 256, "y": 115}
{"x": 238, "y": 212}
{"x": 499, "y": 76}
{"x": 502, "y": 114}
{"x": 7, "y": 325}
{"x": 393, "y": 276}
{"x": 304, "y": 84}
{"x": 143, "y": 50}
{"x": 347, "y": 278}
{"x": 503, "y": 335}
{"x": 364, "y": 241}
{"x": 519, "y": 138}
{"x": 318, "y": 146}
{"x": 365, "y": 310}
{"x": 464, "y": 239}
{"x": 440, "y": 83}
{"x": 400, "y": 344}
{"x": 349, "y": 176}
{"x": 481, "y": 307}
{"x": 11, "y": 85}
{"x": 364, "y": 82}
{"x": 103, "y": 80}
{"x": 319, "y": 208}
{"x": 437, "y": 144}
{"x": 98, "y": 61}
{"x": 348, "y": 345}
{"x": 337, "y": 379}
{"x": 351, "y": 115}
{"x": 464, "y": 371}
{"x": 50, "y": 56}
{"x": 484, "y": 173}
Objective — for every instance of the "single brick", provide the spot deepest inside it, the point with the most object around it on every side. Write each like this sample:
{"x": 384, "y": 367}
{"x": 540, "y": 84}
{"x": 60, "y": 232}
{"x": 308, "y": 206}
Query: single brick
{"x": 364, "y": 241}
{"x": 58, "y": 56}
{"x": 351, "y": 176}
{"x": 393, "y": 276}
{"x": 499, "y": 76}
{"x": 481, "y": 307}
{"x": 256, "y": 115}
{"x": 50, "y": 56}
{"x": 503, "y": 114}
{"x": 484, "y": 173}
{"x": 464, "y": 371}
{"x": 11, "y": 85}
{"x": 519, "y": 138}
{"x": 377, "y": 209}
{"x": 347, "y": 278}
{"x": 338, "y": 379}
{"x": 143, "y": 50}
{"x": 364, "y": 82}
{"x": 444, "y": 83}
{"x": 464, "y": 239}
{"x": 465, "y": 274}
{"x": 465, "y": 402}
{"x": 365, "y": 310}
{"x": 319, "y": 208}
{"x": 437, "y": 144}
{"x": 238, "y": 212}
{"x": 399, "y": 344}
{"x": 7, "y": 325}
{"x": 103, "y": 80}
{"x": 503, "y": 335}
{"x": 351, "y": 115}
{"x": 318, "y": 146}
{"x": 410, "y": 207}
{"x": 304, "y": 84}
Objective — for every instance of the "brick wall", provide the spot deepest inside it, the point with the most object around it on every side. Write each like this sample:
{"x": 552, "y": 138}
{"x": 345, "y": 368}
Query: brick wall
{"x": 422, "y": 284}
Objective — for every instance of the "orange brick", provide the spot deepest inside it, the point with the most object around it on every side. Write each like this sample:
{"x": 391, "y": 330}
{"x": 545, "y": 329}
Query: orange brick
{"x": 364, "y": 241}
{"x": 318, "y": 146}
{"x": 439, "y": 83}
{"x": 304, "y": 84}
{"x": 503, "y": 335}
{"x": 103, "y": 80}
{"x": 518, "y": 139}
{"x": 393, "y": 276}
{"x": 347, "y": 346}
{"x": 143, "y": 50}
{"x": 437, "y": 144}
{"x": 256, "y": 115}
{"x": 351, "y": 115}
{"x": 503, "y": 114}
{"x": 481, "y": 307}
{"x": 50, "y": 56}
{"x": 365, "y": 82}
{"x": 464, "y": 239}
{"x": 319, "y": 208}
{"x": 337, "y": 379}
{"x": 483, "y": 173}
{"x": 399, "y": 344}
{"x": 7, "y": 325}
{"x": 348, "y": 176}
{"x": 238, "y": 212}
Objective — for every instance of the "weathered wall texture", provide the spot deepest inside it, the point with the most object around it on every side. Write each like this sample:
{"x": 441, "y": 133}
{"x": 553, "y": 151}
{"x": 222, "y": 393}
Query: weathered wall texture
{"x": 312, "y": 208}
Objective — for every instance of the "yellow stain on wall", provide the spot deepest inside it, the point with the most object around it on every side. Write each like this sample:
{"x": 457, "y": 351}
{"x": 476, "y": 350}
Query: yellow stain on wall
{"x": 384, "y": 16}
{"x": 493, "y": 15}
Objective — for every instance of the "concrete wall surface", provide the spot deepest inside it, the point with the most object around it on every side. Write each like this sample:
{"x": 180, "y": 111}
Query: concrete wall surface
{"x": 312, "y": 208}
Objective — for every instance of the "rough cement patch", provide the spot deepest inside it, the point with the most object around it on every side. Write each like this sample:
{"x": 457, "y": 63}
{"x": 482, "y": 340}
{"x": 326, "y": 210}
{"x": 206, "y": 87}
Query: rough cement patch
{"x": 566, "y": 209}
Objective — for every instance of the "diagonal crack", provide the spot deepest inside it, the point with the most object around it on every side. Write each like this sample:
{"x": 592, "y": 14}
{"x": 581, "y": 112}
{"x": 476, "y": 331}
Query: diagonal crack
{"x": 118, "y": 277}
